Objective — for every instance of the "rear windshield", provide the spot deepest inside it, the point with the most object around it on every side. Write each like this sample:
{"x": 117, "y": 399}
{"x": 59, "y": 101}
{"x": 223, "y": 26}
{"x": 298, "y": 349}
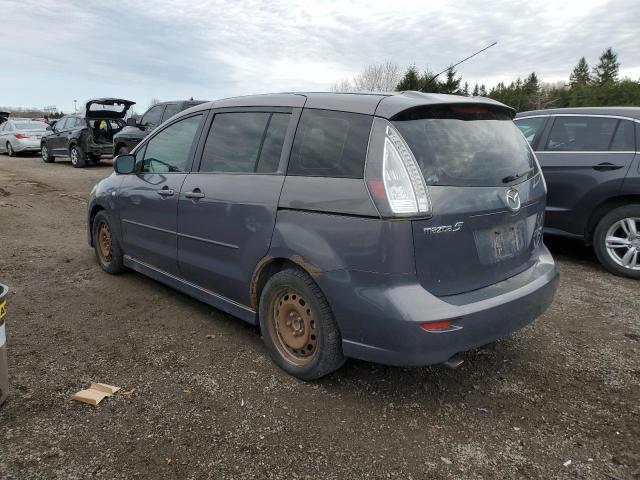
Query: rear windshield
{"x": 30, "y": 125}
{"x": 466, "y": 146}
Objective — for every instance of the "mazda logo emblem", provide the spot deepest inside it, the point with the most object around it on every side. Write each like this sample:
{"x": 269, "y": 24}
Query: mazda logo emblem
{"x": 513, "y": 200}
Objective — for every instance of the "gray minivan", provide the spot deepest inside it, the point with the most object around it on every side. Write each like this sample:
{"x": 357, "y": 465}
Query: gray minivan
{"x": 397, "y": 228}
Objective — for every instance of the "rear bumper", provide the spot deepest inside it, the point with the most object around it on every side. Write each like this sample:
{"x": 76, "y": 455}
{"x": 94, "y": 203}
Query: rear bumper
{"x": 25, "y": 145}
{"x": 380, "y": 317}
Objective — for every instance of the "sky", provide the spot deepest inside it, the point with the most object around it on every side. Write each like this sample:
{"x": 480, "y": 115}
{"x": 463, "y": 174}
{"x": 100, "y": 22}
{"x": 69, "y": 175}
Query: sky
{"x": 58, "y": 51}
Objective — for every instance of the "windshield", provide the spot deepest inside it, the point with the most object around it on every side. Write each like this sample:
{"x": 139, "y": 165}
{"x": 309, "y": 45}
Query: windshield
{"x": 30, "y": 125}
{"x": 466, "y": 146}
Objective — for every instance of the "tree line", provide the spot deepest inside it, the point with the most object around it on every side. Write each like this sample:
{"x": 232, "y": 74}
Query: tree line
{"x": 593, "y": 87}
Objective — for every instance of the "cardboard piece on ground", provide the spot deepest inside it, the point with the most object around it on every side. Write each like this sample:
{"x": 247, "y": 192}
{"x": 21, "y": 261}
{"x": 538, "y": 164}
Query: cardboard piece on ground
{"x": 103, "y": 387}
{"x": 95, "y": 394}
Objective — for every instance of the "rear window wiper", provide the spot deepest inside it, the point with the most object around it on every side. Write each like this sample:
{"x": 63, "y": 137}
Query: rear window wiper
{"x": 512, "y": 178}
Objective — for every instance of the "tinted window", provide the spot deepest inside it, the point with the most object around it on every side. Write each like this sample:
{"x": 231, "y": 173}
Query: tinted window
{"x": 466, "y": 146}
{"x": 153, "y": 116}
{"x": 170, "y": 110}
{"x": 624, "y": 138}
{"x": 581, "y": 134}
{"x": 330, "y": 144}
{"x": 244, "y": 142}
{"x": 169, "y": 150}
{"x": 60, "y": 124}
{"x": 530, "y": 127}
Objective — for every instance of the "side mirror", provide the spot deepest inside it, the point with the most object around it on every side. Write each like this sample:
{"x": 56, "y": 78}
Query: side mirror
{"x": 131, "y": 122}
{"x": 124, "y": 164}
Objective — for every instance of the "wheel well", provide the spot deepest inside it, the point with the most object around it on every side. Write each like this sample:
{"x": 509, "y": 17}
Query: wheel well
{"x": 604, "y": 208}
{"x": 94, "y": 212}
{"x": 265, "y": 270}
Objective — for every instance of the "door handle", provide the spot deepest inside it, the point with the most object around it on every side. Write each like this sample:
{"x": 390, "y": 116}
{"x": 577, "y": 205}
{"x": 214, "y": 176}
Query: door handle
{"x": 195, "y": 194}
{"x": 165, "y": 192}
{"x": 605, "y": 166}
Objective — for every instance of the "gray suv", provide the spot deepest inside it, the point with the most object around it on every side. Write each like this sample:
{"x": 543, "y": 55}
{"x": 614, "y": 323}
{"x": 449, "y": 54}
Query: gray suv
{"x": 396, "y": 228}
{"x": 592, "y": 167}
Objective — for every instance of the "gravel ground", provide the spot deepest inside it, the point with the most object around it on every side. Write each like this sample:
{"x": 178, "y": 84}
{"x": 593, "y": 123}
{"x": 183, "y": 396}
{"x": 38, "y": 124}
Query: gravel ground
{"x": 559, "y": 399}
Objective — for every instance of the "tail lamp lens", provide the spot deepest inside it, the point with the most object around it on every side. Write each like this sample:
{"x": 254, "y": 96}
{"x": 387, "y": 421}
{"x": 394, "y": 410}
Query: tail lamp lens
{"x": 20, "y": 136}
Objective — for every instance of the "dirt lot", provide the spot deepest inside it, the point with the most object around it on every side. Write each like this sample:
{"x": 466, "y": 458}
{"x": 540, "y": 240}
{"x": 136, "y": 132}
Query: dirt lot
{"x": 559, "y": 399}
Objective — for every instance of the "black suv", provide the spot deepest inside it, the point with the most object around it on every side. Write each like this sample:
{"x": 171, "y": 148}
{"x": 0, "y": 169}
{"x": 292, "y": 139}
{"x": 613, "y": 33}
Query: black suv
{"x": 591, "y": 163}
{"x": 131, "y": 135}
{"x": 86, "y": 137}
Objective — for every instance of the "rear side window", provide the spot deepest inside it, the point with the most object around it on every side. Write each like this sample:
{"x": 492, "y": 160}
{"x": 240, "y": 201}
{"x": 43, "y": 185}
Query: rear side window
{"x": 245, "y": 142}
{"x": 169, "y": 150}
{"x": 530, "y": 127}
{"x": 170, "y": 110}
{"x": 153, "y": 116}
{"x": 581, "y": 134}
{"x": 330, "y": 144}
{"x": 624, "y": 138}
{"x": 466, "y": 145}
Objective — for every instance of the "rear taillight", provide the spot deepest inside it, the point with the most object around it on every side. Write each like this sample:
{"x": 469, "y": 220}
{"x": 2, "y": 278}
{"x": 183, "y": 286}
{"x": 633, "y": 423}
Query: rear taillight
{"x": 392, "y": 174}
{"x": 20, "y": 136}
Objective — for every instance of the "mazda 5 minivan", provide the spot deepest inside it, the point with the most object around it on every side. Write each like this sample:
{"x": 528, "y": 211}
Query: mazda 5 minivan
{"x": 397, "y": 228}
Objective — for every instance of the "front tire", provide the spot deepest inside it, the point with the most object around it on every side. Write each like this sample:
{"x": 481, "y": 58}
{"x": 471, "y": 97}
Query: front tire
{"x": 46, "y": 155}
{"x": 10, "y": 151}
{"x": 617, "y": 241}
{"x": 298, "y": 327}
{"x": 106, "y": 245}
{"x": 78, "y": 157}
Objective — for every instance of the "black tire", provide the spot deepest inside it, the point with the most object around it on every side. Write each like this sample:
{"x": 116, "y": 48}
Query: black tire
{"x": 46, "y": 154}
{"x": 605, "y": 225}
{"x": 318, "y": 327}
{"x": 112, "y": 261}
{"x": 123, "y": 150}
{"x": 77, "y": 156}
{"x": 10, "y": 151}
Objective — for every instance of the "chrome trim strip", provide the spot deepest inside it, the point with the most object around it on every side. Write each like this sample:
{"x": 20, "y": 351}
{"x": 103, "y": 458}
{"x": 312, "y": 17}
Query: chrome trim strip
{"x": 193, "y": 285}
{"x": 579, "y": 115}
{"x": 148, "y": 226}
{"x": 206, "y": 240}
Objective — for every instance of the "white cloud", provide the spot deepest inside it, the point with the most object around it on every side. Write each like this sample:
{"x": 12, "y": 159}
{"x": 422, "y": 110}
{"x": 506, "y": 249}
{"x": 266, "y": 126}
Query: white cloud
{"x": 57, "y": 50}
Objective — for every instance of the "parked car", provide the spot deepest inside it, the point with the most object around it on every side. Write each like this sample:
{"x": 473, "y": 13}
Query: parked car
{"x": 21, "y": 135}
{"x": 591, "y": 163}
{"x": 86, "y": 137}
{"x": 125, "y": 140}
{"x": 396, "y": 228}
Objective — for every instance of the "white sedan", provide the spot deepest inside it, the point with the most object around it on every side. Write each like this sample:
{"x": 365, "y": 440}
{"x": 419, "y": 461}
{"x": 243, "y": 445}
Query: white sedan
{"x": 21, "y": 135}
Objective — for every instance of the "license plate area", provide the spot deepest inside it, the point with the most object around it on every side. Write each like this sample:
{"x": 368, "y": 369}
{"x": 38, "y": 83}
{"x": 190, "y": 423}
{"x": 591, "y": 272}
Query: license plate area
{"x": 501, "y": 242}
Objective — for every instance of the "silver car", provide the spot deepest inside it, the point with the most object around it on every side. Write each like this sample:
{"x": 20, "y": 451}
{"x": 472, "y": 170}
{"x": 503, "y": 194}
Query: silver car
{"x": 21, "y": 135}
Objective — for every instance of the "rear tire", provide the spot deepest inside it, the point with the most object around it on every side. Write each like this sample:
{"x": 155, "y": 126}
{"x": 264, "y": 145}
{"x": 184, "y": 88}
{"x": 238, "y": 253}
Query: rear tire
{"x": 621, "y": 254}
{"x": 106, "y": 245}
{"x": 45, "y": 154}
{"x": 298, "y": 327}
{"x": 10, "y": 150}
{"x": 78, "y": 157}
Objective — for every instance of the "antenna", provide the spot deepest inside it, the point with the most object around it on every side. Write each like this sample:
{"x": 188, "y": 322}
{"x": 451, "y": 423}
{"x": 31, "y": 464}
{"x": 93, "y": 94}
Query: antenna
{"x": 455, "y": 65}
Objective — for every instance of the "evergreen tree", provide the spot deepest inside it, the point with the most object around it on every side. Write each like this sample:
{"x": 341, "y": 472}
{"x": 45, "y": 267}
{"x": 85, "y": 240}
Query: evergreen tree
{"x": 580, "y": 74}
{"x": 607, "y": 70}
{"x": 451, "y": 84}
{"x": 465, "y": 90}
{"x": 475, "y": 90}
{"x": 411, "y": 80}
{"x": 483, "y": 90}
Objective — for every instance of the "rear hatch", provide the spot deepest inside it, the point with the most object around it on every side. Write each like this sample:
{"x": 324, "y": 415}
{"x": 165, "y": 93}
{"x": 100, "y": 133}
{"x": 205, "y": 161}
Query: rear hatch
{"x": 485, "y": 191}
{"x": 4, "y": 116}
{"x": 107, "y": 108}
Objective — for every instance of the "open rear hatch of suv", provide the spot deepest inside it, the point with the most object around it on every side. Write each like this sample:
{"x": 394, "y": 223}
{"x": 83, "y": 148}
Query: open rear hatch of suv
{"x": 106, "y": 108}
{"x": 468, "y": 180}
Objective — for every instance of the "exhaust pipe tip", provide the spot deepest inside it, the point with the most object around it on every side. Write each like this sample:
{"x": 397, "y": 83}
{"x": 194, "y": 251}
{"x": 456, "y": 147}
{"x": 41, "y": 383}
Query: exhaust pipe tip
{"x": 454, "y": 362}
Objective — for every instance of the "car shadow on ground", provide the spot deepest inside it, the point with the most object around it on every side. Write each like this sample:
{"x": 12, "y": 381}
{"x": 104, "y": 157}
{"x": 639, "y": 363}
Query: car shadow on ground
{"x": 570, "y": 249}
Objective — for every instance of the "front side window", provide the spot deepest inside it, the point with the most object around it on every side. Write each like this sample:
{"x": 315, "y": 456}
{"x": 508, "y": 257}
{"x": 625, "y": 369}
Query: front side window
{"x": 60, "y": 124}
{"x": 530, "y": 127}
{"x": 168, "y": 151}
{"x": 152, "y": 117}
{"x": 245, "y": 142}
{"x": 330, "y": 144}
{"x": 581, "y": 134}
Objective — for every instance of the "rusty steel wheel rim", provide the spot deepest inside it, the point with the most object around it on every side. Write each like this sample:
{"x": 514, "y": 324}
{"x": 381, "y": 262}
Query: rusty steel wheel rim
{"x": 293, "y": 327}
{"x": 104, "y": 242}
